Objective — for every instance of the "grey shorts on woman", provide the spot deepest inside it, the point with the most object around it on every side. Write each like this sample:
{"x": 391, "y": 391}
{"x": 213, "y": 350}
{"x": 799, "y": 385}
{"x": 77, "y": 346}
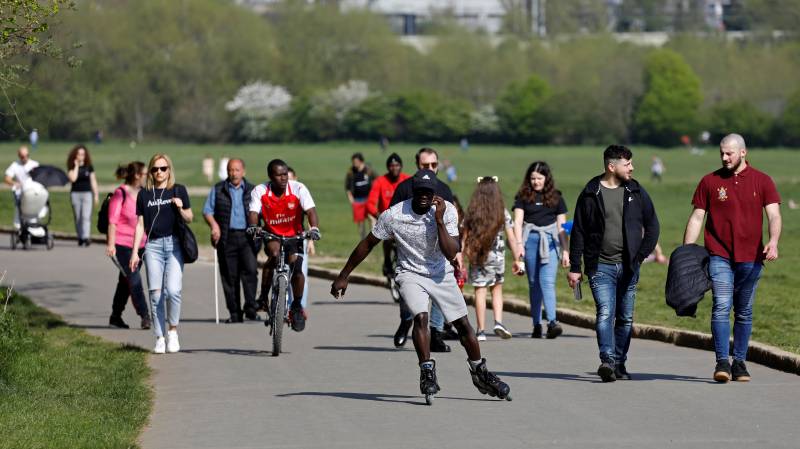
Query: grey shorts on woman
{"x": 417, "y": 291}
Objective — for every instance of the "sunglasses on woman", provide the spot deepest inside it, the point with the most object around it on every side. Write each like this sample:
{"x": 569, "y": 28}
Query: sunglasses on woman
{"x": 163, "y": 169}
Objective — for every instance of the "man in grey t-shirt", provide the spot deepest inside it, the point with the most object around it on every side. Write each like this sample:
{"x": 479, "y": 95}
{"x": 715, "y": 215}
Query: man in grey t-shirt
{"x": 425, "y": 231}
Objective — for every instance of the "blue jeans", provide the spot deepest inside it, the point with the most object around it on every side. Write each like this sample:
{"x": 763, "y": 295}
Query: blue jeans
{"x": 614, "y": 291}
{"x": 733, "y": 284}
{"x": 436, "y": 318}
{"x": 541, "y": 278}
{"x": 163, "y": 261}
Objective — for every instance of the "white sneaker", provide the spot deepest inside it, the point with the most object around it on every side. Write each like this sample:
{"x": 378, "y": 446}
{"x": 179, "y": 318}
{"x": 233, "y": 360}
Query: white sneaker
{"x": 501, "y": 331}
{"x": 481, "y": 336}
{"x": 173, "y": 345}
{"x": 161, "y": 346}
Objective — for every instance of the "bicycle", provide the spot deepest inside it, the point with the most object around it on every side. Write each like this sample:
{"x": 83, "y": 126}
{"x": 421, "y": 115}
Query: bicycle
{"x": 390, "y": 274}
{"x": 278, "y": 310}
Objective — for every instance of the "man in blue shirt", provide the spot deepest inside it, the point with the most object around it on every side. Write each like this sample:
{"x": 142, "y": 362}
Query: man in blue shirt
{"x": 225, "y": 212}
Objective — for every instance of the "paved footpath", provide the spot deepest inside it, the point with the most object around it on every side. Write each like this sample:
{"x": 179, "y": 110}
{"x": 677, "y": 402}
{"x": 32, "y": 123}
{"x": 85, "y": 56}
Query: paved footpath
{"x": 342, "y": 384}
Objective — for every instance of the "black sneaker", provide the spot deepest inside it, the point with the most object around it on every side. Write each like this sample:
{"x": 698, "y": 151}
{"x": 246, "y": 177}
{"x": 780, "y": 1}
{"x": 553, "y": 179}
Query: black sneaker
{"x": 621, "y": 373}
{"x": 401, "y": 336}
{"x": 252, "y": 316}
{"x": 606, "y": 372}
{"x": 537, "y": 331}
{"x": 554, "y": 330}
{"x": 146, "y": 323}
{"x": 722, "y": 372}
{"x": 298, "y": 318}
{"x": 437, "y": 342}
{"x": 739, "y": 371}
{"x": 116, "y": 321}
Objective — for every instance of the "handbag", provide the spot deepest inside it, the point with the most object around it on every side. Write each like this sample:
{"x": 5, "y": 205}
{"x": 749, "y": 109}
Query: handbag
{"x": 186, "y": 237}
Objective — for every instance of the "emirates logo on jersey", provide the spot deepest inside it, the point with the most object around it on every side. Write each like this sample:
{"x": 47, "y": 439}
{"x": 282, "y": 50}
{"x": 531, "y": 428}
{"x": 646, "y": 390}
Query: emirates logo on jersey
{"x": 722, "y": 194}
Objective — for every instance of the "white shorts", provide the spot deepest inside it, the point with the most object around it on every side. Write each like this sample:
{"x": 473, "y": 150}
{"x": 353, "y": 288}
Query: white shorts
{"x": 417, "y": 291}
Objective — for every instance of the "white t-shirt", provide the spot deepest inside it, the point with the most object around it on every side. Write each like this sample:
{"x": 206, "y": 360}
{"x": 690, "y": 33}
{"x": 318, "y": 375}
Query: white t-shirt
{"x": 20, "y": 173}
{"x": 417, "y": 238}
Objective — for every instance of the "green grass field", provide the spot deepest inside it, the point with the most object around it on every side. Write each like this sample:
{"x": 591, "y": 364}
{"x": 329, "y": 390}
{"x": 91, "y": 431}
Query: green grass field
{"x": 63, "y": 388}
{"x": 322, "y": 167}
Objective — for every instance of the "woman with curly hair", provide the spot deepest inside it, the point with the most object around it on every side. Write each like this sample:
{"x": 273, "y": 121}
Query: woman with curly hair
{"x": 484, "y": 247}
{"x": 539, "y": 213}
{"x": 83, "y": 192}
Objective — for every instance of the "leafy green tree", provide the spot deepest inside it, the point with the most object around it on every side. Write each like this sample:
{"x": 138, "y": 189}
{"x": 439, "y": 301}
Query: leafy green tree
{"x": 25, "y": 32}
{"x": 431, "y": 116}
{"x": 790, "y": 121}
{"x": 742, "y": 118}
{"x": 669, "y": 107}
{"x": 520, "y": 110}
{"x": 372, "y": 119}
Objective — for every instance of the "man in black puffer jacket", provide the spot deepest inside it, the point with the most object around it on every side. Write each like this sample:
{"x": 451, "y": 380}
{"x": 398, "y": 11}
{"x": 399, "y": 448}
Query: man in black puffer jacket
{"x": 615, "y": 228}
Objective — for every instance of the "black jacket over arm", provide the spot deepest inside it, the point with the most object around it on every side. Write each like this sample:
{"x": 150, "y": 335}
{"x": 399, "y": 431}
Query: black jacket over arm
{"x": 640, "y": 232}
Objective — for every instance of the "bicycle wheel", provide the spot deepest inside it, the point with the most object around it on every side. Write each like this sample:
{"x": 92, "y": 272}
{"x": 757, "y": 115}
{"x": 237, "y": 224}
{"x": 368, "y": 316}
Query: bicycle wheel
{"x": 278, "y": 314}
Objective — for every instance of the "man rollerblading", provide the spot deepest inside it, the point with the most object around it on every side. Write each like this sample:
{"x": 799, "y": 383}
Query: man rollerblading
{"x": 425, "y": 230}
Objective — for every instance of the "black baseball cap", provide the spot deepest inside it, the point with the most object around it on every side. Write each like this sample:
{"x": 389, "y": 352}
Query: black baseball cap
{"x": 424, "y": 179}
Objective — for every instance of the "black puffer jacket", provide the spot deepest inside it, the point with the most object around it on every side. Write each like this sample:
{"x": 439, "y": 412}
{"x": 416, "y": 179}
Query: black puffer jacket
{"x": 640, "y": 231}
{"x": 687, "y": 279}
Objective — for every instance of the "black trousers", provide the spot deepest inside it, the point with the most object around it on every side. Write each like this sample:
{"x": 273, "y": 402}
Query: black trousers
{"x": 129, "y": 284}
{"x": 239, "y": 272}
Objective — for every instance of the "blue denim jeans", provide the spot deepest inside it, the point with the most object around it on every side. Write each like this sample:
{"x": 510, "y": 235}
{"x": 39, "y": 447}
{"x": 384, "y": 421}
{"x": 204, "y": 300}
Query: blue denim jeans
{"x": 541, "y": 278}
{"x": 614, "y": 291}
{"x": 733, "y": 284}
{"x": 163, "y": 262}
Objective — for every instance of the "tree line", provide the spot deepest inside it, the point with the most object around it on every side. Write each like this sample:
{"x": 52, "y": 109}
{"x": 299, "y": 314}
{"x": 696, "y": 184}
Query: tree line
{"x": 210, "y": 71}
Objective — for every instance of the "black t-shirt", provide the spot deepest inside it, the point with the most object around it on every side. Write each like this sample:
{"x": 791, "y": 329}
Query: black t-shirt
{"x": 405, "y": 191}
{"x": 84, "y": 181}
{"x": 156, "y": 205}
{"x": 359, "y": 183}
{"x": 539, "y": 214}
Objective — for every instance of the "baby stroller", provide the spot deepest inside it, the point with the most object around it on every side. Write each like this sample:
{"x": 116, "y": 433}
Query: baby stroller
{"x": 34, "y": 217}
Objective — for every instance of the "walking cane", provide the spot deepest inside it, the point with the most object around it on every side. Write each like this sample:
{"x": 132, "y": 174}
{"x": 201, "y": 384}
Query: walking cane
{"x": 216, "y": 286}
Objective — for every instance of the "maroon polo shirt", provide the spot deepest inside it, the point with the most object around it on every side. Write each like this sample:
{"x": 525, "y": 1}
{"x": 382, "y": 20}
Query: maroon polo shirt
{"x": 734, "y": 212}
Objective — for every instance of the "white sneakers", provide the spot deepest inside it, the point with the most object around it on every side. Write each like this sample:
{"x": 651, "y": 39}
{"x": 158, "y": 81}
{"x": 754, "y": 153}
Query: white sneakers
{"x": 172, "y": 341}
{"x": 170, "y": 344}
{"x": 161, "y": 346}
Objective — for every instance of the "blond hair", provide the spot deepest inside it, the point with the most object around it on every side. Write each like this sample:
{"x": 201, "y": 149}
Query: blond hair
{"x": 151, "y": 184}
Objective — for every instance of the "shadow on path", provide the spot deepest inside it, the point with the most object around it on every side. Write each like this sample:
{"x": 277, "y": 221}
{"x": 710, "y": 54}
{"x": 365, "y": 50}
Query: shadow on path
{"x": 593, "y": 378}
{"x": 359, "y": 348}
{"x": 378, "y": 397}
{"x": 247, "y": 352}
{"x": 354, "y": 303}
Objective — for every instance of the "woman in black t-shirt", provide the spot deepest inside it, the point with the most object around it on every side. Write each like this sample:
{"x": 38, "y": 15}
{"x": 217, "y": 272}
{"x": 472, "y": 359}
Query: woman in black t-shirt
{"x": 539, "y": 213}
{"x": 83, "y": 192}
{"x": 159, "y": 205}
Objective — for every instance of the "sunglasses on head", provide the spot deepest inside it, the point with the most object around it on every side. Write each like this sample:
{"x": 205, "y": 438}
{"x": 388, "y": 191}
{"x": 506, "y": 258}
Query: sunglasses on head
{"x": 163, "y": 168}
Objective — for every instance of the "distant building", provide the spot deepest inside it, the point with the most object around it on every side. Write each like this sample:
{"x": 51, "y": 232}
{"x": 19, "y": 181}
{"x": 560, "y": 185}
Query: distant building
{"x": 408, "y": 17}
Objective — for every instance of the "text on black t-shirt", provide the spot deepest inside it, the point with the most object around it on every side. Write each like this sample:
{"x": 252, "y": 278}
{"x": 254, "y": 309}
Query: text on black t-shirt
{"x": 155, "y": 206}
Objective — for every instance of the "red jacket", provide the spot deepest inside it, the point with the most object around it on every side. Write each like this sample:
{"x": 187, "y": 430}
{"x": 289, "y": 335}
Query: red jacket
{"x": 380, "y": 196}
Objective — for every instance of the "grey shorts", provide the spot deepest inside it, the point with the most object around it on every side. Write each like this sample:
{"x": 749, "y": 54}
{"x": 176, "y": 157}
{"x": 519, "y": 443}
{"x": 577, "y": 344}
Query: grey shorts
{"x": 491, "y": 273}
{"x": 417, "y": 291}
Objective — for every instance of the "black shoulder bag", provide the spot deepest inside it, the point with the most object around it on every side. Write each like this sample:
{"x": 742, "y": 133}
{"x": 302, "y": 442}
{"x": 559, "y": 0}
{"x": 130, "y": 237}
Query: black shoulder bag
{"x": 186, "y": 236}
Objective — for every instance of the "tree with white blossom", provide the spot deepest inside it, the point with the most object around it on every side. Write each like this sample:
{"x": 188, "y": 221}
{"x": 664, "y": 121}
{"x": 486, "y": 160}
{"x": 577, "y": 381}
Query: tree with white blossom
{"x": 255, "y": 106}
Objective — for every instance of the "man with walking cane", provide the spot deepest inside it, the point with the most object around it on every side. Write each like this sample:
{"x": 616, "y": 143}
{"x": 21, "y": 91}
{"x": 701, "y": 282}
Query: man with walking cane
{"x": 225, "y": 212}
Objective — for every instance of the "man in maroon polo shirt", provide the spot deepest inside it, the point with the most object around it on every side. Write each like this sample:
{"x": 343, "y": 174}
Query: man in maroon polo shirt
{"x": 731, "y": 200}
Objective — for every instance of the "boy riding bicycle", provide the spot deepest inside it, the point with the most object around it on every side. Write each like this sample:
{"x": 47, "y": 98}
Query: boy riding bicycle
{"x": 281, "y": 204}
